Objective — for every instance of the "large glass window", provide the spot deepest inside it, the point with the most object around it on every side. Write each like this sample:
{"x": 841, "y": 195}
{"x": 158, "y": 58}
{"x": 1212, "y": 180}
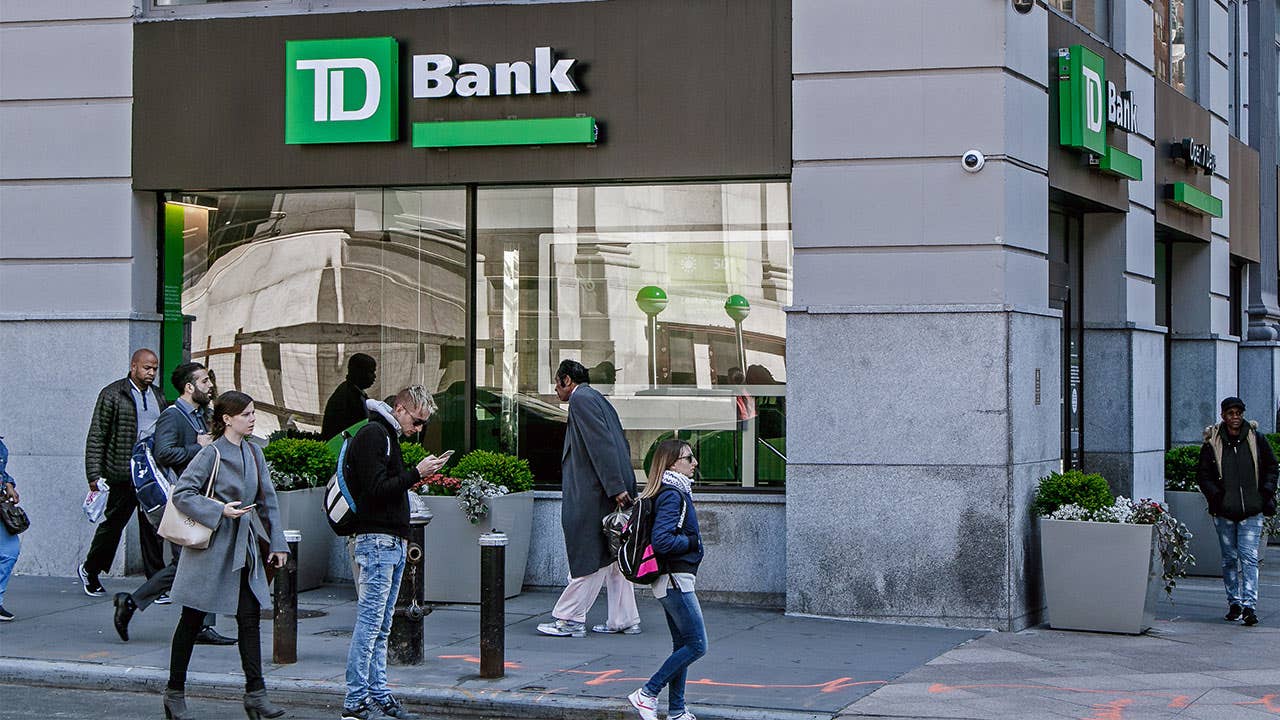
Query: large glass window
{"x": 672, "y": 296}
{"x": 1174, "y": 43}
{"x": 281, "y": 288}
{"x": 1092, "y": 14}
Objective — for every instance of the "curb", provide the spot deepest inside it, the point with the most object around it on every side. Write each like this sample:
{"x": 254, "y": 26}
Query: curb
{"x": 484, "y": 703}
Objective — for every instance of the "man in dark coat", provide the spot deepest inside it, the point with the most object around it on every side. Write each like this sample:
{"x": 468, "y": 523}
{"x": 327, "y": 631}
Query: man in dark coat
{"x": 1237, "y": 474}
{"x": 181, "y": 431}
{"x": 345, "y": 406}
{"x": 125, "y": 413}
{"x": 596, "y": 480}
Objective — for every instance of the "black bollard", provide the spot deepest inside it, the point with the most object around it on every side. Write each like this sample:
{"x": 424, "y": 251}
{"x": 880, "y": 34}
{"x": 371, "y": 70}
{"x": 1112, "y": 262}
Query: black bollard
{"x": 493, "y": 615}
{"x": 284, "y": 616}
{"x": 404, "y": 646}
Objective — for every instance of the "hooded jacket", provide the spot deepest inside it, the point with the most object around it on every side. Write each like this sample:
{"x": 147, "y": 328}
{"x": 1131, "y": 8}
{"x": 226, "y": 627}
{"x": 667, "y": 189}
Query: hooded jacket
{"x": 377, "y": 475}
{"x": 1236, "y": 490}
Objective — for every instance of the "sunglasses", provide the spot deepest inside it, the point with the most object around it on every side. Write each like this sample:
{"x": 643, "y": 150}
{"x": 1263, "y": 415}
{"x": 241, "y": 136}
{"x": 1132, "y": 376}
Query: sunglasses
{"x": 420, "y": 423}
{"x": 684, "y": 457}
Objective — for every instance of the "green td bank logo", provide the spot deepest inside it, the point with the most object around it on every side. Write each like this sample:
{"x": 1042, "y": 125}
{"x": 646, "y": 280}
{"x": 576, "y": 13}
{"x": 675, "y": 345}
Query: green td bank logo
{"x": 342, "y": 91}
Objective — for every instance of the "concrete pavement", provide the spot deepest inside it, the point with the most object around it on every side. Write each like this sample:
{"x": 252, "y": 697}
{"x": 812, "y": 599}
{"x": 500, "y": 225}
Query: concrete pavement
{"x": 761, "y": 664}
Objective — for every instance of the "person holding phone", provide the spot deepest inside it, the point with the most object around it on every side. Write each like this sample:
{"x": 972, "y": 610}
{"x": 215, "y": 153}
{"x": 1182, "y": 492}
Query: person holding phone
{"x": 379, "y": 484}
{"x": 229, "y": 576}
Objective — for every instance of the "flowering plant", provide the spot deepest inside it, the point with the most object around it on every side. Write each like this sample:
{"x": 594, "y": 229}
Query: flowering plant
{"x": 1172, "y": 537}
{"x": 438, "y": 484}
{"x": 472, "y": 493}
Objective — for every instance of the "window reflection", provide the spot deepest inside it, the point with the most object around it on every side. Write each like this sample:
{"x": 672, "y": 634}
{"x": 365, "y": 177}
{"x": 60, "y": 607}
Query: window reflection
{"x": 560, "y": 271}
{"x": 1173, "y": 48}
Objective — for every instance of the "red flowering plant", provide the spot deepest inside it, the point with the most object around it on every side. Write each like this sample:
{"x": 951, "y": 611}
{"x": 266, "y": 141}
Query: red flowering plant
{"x": 439, "y": 484}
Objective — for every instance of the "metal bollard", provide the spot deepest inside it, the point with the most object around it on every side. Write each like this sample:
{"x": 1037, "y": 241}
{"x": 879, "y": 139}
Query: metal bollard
{"x": 284, "y": 616}
{"x": 493, "y": 620}
{"x": 404, "y": 646}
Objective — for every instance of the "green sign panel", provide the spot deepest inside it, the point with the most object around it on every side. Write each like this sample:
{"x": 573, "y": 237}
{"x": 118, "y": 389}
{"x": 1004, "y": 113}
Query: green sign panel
{"x": 1082, "y": 100}
{"x": 172, "y": 330}
{"x": 342, "y": 91}
{"x": 479, "y": 133}
{"x": 1192, "y": 198}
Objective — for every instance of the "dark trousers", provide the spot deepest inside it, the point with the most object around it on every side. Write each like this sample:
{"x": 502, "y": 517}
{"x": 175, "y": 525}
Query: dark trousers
{"x": 162, "y": 582}
{"x": 247, "y": 618}
{"x": 122, "y": 503}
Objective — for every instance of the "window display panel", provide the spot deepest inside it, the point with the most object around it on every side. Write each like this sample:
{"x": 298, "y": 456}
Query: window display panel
{"x": 281, "y": 289}
{"x": 672, "y": 296}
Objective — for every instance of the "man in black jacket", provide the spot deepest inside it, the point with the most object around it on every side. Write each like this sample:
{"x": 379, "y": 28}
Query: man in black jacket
{"x": 345, "y": 406}
{"x": 379, "y": 484}
{"x": 181, "y": 431}
{"x": 1237, "y": 474}
{"x": 125, "y": 413}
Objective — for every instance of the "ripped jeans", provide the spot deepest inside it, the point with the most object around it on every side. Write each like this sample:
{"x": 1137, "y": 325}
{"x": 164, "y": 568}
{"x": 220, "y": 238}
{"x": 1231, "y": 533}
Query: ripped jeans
{"x": 1239, "y": 542}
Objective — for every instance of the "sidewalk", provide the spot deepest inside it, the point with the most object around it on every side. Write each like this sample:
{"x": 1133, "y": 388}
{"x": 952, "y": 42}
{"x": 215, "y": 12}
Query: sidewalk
{"x": 761, "y": 664}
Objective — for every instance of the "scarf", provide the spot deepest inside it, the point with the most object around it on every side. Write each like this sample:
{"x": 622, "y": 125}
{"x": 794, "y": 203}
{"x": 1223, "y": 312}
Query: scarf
{"x": 678, "y": 481}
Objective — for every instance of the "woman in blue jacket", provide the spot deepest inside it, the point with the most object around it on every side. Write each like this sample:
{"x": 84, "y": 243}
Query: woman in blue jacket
{"x": 678, "y": 545}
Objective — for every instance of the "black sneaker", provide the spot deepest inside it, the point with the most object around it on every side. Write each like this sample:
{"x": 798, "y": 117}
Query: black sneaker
{"x": 364, "y": 711}
{"x": 5, "y": 615}
{"x": 392, "y": 708}
{"x": 1250, "y": 617}
{"x": 92, "y": 587}
{"x": 1233, "y": 613}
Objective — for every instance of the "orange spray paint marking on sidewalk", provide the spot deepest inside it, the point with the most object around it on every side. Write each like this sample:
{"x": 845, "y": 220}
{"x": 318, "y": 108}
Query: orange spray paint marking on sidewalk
{"x": 475, "y": 660}
{"x": 1270, "y": 703}
{"x": 603, "y": 677}
{"x": 1113, "y": 710}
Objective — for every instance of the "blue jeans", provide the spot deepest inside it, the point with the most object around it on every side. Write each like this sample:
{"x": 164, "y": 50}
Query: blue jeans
{"x": 1239, "y": 542}
{"x": 688, "y": 643}
{"x": 380, "y": 561}
{"x": 9, "y": 547}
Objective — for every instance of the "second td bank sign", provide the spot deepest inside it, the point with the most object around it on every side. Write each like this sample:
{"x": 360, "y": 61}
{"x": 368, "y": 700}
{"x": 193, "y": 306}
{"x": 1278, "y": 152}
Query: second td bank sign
{"x": 1087, "y": 104}
{"x": 347, "y": 91}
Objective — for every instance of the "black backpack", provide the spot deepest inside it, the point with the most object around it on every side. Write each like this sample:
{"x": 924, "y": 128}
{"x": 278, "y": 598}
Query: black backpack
{"x": 636, "y": 557}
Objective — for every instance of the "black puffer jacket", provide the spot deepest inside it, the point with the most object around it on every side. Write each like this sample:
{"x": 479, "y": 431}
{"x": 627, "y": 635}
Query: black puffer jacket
{"x": 113, "y": 431}
{"x": 379, "y": 480}
{"x": 1238, "y": 478}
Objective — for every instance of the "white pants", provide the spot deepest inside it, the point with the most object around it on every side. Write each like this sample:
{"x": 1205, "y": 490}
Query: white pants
{"x": 582, "y": 592}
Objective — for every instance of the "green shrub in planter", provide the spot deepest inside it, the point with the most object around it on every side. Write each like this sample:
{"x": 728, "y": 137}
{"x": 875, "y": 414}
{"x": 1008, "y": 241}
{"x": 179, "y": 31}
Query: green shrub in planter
{"x": 1073, "y": 487}
{"x": 508, "y": 471}
{"x": 1274, "y": 439}
{"x": 297, "y": 463}
{"x": 1180, "y": 468}
{"x": 413, "y": 453}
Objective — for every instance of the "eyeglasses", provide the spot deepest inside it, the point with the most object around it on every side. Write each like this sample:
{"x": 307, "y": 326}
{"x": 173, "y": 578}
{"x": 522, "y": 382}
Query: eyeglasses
{"x": 420, "y": 423}
{"x": 684, "y": 457}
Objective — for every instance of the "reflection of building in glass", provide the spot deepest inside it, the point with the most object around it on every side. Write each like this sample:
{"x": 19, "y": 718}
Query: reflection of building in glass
{"x": 285, "y": 286}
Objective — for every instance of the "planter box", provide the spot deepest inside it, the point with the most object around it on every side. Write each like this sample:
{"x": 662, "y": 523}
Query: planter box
{"x": 452, "y": 551}
{"x": 303, "y": 510}
{"x": 1102, "y": 577}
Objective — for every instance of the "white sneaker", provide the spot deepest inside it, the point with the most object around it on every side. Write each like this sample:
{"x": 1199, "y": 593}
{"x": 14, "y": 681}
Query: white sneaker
{"x": 164, "y": 599}
{"x": 603, "y": 628}
{"x": 686, "y": 715}
{"x": 564, "y": 628}
{"x": 645, "y": 705}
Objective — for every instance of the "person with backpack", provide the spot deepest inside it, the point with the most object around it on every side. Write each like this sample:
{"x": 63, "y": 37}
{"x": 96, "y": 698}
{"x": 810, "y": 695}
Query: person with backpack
{"x": 181, "y": 432}
{"x": 378, "y": 482}
{"x": 10, "y": 545}
{"x": 677, "y": 547}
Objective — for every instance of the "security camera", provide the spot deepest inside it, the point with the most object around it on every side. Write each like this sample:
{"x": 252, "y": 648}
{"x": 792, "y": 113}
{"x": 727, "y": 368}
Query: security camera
{"x": 972, "y": 161}
{"x": 1024, "y": 6}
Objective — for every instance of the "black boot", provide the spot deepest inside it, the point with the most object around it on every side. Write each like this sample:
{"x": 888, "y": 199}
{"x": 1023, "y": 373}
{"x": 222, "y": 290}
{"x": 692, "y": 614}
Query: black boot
{"x": 1250, "y": 617}
{"x": 256, "y": 705}
{"x": 125, "y": 607}
{"x": 1233, "y": 613}
{"x": 175, "y": 705}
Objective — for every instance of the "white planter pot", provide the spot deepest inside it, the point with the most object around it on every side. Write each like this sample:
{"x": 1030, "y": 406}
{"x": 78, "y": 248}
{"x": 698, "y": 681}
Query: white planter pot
{"x": 303, "y": 510}
{"x": 452, "y": 551}
{"x": 1102, "y": 577}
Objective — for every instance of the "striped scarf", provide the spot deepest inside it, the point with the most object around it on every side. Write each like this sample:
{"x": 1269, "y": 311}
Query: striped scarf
{"x": 678, "y": 481}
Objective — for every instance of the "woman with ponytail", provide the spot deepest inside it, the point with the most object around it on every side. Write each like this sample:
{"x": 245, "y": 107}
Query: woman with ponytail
{"x": 229, "y": 576}
{"x": 678, "y": 546}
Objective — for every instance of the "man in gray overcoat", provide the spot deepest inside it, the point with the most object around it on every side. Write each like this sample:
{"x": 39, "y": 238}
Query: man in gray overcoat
{"x": 596, "y": 479}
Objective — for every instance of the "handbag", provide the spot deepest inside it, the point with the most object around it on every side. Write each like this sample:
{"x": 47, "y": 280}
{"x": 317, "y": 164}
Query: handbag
{"x": 179, "y": 528}
{"x": 14, "y": 518}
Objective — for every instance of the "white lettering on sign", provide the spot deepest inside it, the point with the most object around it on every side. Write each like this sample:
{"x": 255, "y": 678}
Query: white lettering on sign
{"x": 1094, "y": 99}
{"x": 433, "y": 76}
{"x": 1122, "y": 111}
{"x": 329, "y": 87}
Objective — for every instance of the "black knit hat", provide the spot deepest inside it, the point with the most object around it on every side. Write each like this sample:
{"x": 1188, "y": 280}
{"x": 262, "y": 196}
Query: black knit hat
{"x": 1232, "y": 402}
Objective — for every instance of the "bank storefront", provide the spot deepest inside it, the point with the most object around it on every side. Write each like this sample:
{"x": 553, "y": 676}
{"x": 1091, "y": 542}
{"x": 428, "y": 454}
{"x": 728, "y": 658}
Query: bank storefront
{"x": 472, "y": 195}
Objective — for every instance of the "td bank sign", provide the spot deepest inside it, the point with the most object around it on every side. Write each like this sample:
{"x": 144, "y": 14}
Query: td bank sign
{"x": 1087, "y": 105}
{"x": 348, "y": 91}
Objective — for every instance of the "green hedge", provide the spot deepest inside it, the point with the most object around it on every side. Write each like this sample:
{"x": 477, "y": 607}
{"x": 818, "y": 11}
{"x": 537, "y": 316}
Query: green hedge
{"x": 1073, "y": 487}
{"x": 1180, "y": 468}
{"x": 508, "y": 471}
{"x": 297, "y": 463}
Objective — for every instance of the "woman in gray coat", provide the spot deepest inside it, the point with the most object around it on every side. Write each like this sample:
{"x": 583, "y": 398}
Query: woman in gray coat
{"x": 230, "y": 575}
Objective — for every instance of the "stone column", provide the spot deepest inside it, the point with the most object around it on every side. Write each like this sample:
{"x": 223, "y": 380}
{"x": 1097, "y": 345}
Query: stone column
{"x": 923, "y": 360}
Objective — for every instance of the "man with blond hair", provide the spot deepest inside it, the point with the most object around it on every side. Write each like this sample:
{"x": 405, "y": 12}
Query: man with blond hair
{"x": 379, "y": 482}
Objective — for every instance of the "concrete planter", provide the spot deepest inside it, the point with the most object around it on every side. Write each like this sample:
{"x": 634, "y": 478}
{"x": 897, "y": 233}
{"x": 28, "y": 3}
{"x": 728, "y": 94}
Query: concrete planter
{"x": 1101, "y": 577}
{"x": 1193, "y": 510}
{"x": 452, "y": 549}
{"x": 303, "y": 510}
